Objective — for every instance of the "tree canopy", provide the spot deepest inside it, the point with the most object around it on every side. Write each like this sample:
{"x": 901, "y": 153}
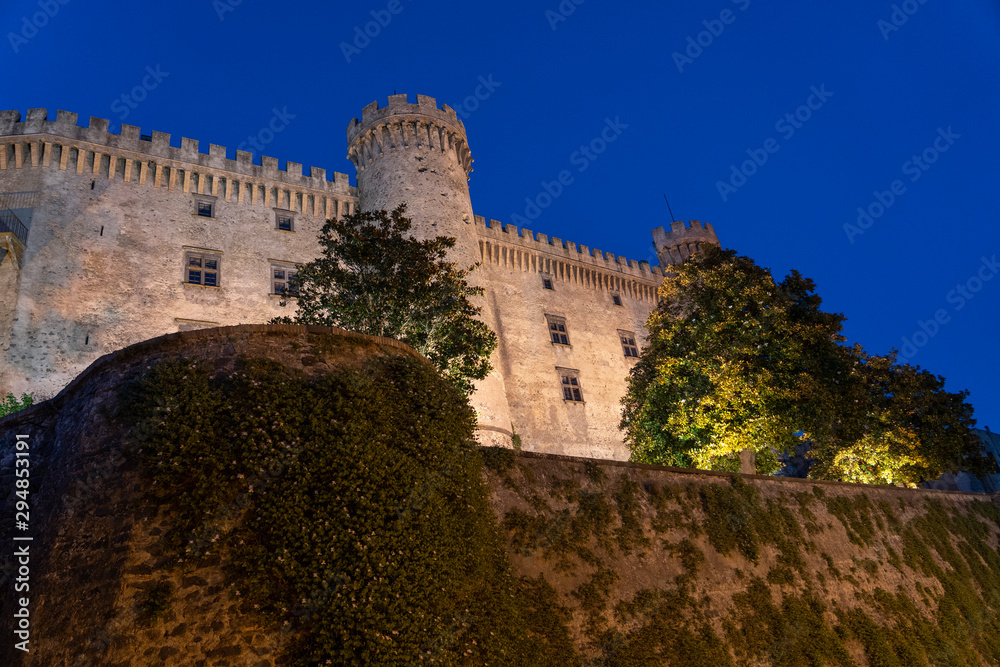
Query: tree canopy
{"x": 736, "y": 360}
{"x": 373, "y": 278}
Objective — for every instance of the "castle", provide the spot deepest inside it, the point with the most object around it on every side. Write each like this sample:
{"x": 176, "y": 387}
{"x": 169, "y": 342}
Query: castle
{"x": 107, "y": 240}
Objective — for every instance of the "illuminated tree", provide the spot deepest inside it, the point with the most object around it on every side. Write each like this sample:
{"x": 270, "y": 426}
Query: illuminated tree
{"x": 737, "y": 361}
{"x": 898, "y": 426}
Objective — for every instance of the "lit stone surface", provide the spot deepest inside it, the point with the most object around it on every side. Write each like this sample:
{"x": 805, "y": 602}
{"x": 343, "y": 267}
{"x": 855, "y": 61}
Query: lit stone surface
{"x": 105, "y": 262}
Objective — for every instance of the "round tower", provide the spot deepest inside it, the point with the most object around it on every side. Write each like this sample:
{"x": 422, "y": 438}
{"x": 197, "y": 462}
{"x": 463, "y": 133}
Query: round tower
{"x": 681, "y": 241}
{"x": 418, "y": 154}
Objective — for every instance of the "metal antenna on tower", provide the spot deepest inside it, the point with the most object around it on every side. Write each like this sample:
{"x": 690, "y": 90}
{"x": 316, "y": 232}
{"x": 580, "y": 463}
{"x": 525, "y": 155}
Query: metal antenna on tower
{"x": 672, "y": 218}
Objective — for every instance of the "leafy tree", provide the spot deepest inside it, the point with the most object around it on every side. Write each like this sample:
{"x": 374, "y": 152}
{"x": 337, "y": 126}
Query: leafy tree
{"x": 373, "y": 278}
{"x": 736, "y": 360}
{"x": 903, "y": 426}
{"x": 11, "y": 404}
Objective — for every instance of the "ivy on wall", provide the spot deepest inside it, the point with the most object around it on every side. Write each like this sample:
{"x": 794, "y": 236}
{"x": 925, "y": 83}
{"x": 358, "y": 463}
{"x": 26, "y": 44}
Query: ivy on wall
{"x": 792, "y": 613}
{"x": 351, "y": 508}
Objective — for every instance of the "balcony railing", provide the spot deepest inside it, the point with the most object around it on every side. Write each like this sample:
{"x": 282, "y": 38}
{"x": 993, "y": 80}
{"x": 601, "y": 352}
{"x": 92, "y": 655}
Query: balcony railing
{"x": 10, "y": 223}
{"x": 9, "y": 220}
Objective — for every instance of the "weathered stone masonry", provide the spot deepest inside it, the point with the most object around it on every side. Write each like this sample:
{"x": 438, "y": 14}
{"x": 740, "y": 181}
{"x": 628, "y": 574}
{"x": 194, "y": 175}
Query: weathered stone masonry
{"x": 115, "y": 221}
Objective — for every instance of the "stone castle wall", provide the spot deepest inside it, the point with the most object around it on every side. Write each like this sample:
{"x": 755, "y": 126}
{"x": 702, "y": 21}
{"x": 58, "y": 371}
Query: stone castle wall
{"x": 105, "y": 262}
{"x": 583, "y": 287}
{"x": 104, "y": 265}
{"x": 651, "y": 556}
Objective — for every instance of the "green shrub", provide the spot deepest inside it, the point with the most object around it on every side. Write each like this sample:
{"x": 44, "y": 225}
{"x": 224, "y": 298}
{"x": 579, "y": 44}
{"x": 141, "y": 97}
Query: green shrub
{"x": 515, "y": 438}
{"x": 12, "y": 404}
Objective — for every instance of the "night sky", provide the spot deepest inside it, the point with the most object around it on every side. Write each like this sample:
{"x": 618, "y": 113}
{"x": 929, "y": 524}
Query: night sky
{"x": 774, "y": 121}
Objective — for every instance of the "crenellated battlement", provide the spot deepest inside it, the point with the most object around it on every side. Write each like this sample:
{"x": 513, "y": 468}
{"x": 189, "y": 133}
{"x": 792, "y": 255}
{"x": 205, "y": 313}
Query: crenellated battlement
{"x": 679, "y": 229}
{"x": 399, "y": 106}
{"x": 36, "y": 122}
{"x": 682, "y": 240}
{"x": 566, "y": 250}
{"x": 401, "y": 125}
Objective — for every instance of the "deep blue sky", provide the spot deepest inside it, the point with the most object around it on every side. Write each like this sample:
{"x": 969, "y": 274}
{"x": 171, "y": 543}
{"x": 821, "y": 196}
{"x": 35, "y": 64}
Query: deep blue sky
{"x": 892, "y": 90}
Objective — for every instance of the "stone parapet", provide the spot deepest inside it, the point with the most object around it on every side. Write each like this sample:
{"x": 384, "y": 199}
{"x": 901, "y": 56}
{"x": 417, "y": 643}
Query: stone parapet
{"x": 682, "y": 240}
{"x": 566, "y": 250}
{"x": 37, "y": 125}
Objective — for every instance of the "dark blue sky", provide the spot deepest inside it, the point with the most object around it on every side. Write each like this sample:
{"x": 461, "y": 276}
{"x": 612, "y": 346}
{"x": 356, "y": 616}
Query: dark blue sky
{"x": 889, "y": 92}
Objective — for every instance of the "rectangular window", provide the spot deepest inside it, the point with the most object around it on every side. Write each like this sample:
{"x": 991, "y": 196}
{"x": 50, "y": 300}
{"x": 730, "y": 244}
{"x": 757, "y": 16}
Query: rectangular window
{"x": 204, "y": 205}
{"x": 284, "y": 221}
{"x": 569, "y": 381}
{"x": 616, "y": 299}
{"x": 628, "y": 343}
{"x": 547, "y": 283}
{"x": 281, "y": 278}
{"x": 557, "y": 330}
{"x": 202, "y": 268}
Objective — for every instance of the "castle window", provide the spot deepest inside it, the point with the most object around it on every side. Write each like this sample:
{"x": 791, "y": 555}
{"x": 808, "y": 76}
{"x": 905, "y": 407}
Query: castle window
{"x": 281, "y": 277}
{"x": 202, "y": 268}
{"x": 569, "y": 382}
{"x": 628, "y": 343}
{"x": 284, "y": 221}
{"x": 204, "y": 206}
{"x": 557, "y": 330}
{"x": 616, "y": 299}
{"x": 547, "y": 283}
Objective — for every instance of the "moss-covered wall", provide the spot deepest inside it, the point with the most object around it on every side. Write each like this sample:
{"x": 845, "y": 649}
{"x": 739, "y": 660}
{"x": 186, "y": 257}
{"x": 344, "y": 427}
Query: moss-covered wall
{"x": 290, "y": 495}
{"x": 105, "y": 587}
{"x": 665, "y": 566}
